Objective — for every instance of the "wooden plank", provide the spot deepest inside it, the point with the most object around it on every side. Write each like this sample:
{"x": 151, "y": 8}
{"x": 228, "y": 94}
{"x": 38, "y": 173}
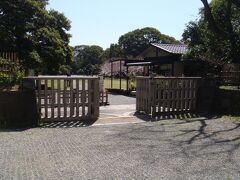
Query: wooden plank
{"x": 138, "y": 94}
{"x": 71, "y": 97}
{"x": 172, "y": 101}
{"x": 65, "y": 98}
{"x": 83, "y": 97}
{"x": 194, "y": 94}
{"x": 39, "y": 95}
{"x": 191, "y": 94}
{"x": 77, "y": 97}
{"x": 46, "y": 97}
{"x": 168, "y": 90}
{"x": 153, "y": 100}
{"x": 90, "y": 109}
{"x": 52, "y": 101}
{"x": 96, "y": 98}
{"x": 59, "y": 98}
{"x": 182, "y": 95}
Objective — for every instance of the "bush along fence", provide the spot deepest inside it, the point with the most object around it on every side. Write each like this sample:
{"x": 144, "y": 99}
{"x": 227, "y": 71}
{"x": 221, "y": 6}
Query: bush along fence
{"x": 160, "y": 95}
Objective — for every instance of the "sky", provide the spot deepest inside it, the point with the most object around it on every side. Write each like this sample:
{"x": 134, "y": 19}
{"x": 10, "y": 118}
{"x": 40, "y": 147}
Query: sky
{"x": 102, "y": 22}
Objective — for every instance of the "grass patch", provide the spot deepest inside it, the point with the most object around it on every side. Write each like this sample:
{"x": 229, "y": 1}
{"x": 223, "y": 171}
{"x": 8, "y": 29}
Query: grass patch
{"x": 235, "y": 88}
{"x": 116, "y": 84}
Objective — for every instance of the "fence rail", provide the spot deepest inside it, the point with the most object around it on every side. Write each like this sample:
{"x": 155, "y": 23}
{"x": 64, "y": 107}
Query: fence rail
{"x": 166, "y": 95}
{"x": 62, "y": 98}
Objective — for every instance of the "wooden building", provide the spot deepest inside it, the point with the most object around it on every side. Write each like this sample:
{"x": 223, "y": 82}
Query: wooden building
{"x": 161, "y": 59}
{"x": 158, "y": 59}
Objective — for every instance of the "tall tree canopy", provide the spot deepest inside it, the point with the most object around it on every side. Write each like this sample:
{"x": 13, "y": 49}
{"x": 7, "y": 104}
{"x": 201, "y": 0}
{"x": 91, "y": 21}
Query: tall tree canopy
{"x": 134, "y": 42}
{"x": 39, "y": 36}
{"x": 88, "y": 59}
{"x": 215, "y": 37}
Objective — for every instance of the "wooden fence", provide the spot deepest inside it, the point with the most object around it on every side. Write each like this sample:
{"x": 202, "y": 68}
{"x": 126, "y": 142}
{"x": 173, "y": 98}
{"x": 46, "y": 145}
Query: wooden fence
{"x": 166, "y": 95}
{"x": 8, "y": 63}
{"x": 12, "y": 56}
{"x": 103, "y": 92}
{"x": 62, "y": 98}
{"x": 230, "y": 78}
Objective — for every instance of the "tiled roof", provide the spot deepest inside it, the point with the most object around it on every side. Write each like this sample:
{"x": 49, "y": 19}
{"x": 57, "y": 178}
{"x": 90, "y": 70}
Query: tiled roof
{"x": 172, "y": 48}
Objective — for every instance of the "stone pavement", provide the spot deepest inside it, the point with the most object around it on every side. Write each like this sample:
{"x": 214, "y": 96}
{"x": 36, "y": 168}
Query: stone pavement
{"x": 198, "y": 148}
{"x": 120, "y": 111}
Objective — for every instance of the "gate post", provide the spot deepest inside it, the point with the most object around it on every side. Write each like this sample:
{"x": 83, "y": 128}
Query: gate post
{"x": 152, "y": 97}
{"x": 93, "y": 98}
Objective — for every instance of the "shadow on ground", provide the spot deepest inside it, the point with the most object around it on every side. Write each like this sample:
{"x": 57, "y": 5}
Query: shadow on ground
{"x": 68, "y": 124}
{"x": 175, "y": 115}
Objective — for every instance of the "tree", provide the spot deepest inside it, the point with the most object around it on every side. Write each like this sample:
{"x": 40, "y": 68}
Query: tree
{"x": 88, "y": 59}
{"x": 215, "y": 37}
{"x": 134, "y": 42}
{"x": 39, "y": 36}
{"x": 223, "y": 19}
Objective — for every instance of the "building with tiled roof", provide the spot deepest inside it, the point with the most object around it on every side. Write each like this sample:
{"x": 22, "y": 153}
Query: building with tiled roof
{"x": 161, "y": 59}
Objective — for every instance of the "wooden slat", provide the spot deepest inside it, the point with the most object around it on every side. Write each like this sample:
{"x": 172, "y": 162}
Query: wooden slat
{"x": 90, "y": 87}
{"x": 96, "y": 98}
{"x": 59, "y": 98}
{"x": 52, "y": 98}
{"x": 83, "y": 97}
{"x": 38, "y": 82}
{"x": 71, "y": 97}
{"x": 46, "y": 97}
{"x": 65, "y": 98}
{"x": 77, "y": 97}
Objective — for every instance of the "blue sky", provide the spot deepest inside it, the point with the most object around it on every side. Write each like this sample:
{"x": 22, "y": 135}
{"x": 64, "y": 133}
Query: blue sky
{"x": 102, "y": 22}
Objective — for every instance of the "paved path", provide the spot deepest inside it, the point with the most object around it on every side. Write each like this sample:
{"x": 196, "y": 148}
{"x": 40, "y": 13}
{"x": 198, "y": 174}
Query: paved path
{"x": 169, "y": 149}
{"x": 120, "y": 111}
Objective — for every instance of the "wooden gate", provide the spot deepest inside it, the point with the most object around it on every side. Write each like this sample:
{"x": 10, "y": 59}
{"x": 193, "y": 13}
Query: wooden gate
{"x": 166, "y": 95}
{"x": 62, "y": 98}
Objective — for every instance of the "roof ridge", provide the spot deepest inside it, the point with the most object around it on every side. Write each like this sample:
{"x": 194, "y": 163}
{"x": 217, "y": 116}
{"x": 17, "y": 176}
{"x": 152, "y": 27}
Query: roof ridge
{"x": 170, "y": 44}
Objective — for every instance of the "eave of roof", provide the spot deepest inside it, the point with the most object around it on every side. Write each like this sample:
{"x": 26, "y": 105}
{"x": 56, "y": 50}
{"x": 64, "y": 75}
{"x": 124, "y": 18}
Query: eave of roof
{"x": 139, "y": 64}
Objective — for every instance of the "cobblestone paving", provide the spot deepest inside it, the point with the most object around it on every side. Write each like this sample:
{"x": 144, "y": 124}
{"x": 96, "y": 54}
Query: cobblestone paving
{"x": 168, "y": 149}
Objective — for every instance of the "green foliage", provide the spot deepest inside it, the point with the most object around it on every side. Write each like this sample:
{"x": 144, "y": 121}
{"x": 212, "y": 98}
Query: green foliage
{"x": 65, "y": 69}
{"x": 39, "y": 36}
{"x": 115, "y": 51}
{"x": 134, "y": 42}
{"x": 215, "y": 42}
{"x": 13, "y": 79}
{"x": 88, "y": 60}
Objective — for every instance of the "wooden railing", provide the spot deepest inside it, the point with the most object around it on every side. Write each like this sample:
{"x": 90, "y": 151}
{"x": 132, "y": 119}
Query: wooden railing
{"x": 12, "y": 56}
{"x": 230, "y": 78}
{"x": 166, "y": 95}
{"x": 8, "y": 64}
{"x": 62, "y": 98}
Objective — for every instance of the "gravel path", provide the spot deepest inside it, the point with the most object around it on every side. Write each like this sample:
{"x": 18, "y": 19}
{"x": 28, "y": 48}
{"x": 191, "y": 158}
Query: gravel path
{"x": 168, "y": 149}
